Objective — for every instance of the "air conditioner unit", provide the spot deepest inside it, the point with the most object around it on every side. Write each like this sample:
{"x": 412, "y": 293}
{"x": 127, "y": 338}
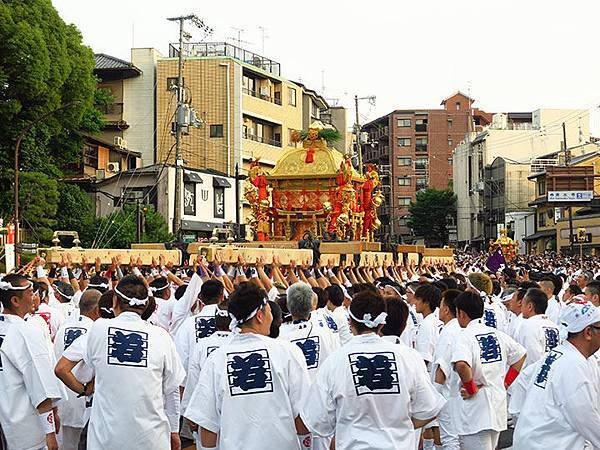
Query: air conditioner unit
{"x": 113, "y": 167}
{"x": 118, "y": 141}
{"x": 100, "y": 174}
{"x": 480, "y": 186}
{"x": 264, "y": 90}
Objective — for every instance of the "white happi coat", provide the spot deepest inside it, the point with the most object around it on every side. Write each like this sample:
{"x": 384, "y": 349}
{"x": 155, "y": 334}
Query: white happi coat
{"x": 71, "y": 409}
{"x": 197, "y": 358}
{"x": 53, "y": 317}
{"x": 561, "y": 408}
{"x": 82, "y": 372}
{"x": 250, "y": 392}
{"x": 341, "y": 317}
{"x": 193, "y": 330}
{"x": 366, "y": 394}
{"x": 538, "y": 335}
{"x": 427, "y": 335}
{"x": 26, "y": 380}
{"x": 323, "y": 318}
{"x": 164, "y": 312}
{"x": 554, "y": 309}
{"x": 489, "y": 353}
{"x": 412, "y": 325}
{"x": 317, "y": 343}
{"x": 136, "y": 364}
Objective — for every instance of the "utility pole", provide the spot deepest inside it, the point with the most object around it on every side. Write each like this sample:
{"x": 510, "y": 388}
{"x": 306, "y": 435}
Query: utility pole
{"x": 138, "y": 222}
{"x": 568, "y": 163}
{"x": 180, "y": 116}
{"x": 371, "y": 99}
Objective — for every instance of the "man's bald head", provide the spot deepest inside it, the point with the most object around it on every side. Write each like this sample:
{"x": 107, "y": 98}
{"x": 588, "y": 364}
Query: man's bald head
{"x": 89, "y": 302}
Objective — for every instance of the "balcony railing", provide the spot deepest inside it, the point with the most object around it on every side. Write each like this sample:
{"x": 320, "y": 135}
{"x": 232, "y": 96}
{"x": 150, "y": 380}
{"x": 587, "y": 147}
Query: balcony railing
{"x": 421, "y": 148}
{"x": 420, "y": 127}
{"x": 262, "y": 139}
{"x": 113, "y": 108}
{"x": 267, "y": 98}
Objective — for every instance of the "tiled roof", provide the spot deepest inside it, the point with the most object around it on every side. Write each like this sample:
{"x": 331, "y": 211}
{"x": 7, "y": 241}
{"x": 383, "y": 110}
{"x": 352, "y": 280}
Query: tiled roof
{"x": 107, "y": 62}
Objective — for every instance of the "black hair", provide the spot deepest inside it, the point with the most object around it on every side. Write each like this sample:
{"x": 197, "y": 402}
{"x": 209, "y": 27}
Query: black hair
{"x": 6, "y": 295}
{"x": 245, "y": 299}
{"x": 429, "y": 294}
{"x": 277, "y": 319}
{"x": 41, "y": 289}
{"x": 574, "y": 289}
{"x": 133, "y": 287}
{"x": 594, "y": 287}
{"x": 397, "y": 314}
{"x": 496, "y": 287}
{"x": 336, "y": 295}
{"x": 322, "y": 296}
{"x": 180, "y": 291}
{"x": 360, "y": 287}
{"x": 282, "y": 303}
{"x": 440, "y": 285}
{"x": 96, "y": 281}
{"x": 163, "y": 290}
{"x": 150, "y": 308}
{"x": 105, "y": 305}
{"x": 538, "y": 299}
{"x": 211, "y": 292}
{"x": 450, "y": 282}
{"x": 222, "y": 322}
{"x": 470, "y": 303}
{"x": 366, "y": 302}
{"x": 449, "y": 298}
{"x": 64, "y": 291}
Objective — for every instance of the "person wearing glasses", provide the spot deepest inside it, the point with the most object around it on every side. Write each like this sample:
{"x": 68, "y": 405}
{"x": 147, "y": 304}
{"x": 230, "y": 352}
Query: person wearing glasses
{"x": 561, "y": 408}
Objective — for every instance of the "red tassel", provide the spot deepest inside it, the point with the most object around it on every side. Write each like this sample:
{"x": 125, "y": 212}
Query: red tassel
{"x": 310, "y": 156}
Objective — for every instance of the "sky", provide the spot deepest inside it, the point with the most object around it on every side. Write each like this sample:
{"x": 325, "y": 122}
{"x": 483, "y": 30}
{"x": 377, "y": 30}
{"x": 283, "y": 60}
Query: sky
{"x": 508, "y": 55}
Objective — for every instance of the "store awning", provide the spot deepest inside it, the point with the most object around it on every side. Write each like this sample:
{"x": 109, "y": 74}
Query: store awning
{"x": 540, "y": 234}
{"x": 195, "y": 225}
{"x": 221, "y": 182}
{"x": 192, "y": 177}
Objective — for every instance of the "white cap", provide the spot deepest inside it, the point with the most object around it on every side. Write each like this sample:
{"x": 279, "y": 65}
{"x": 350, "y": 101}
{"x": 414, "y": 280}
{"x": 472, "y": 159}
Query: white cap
{"x": 576, "y": 316}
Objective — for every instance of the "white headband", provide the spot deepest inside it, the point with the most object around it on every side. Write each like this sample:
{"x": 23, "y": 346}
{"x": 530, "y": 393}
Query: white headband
{"x": 68, "y": 297}
{"x": 379, "y": 320}
{"x": 6, "y": 286}
{"x": 235, "y": 323}
{"x": 133, "y": 301}
{"x": 102, "y": 285}
{"x": 222, "y": 312}
{"x": 157, "y": 289}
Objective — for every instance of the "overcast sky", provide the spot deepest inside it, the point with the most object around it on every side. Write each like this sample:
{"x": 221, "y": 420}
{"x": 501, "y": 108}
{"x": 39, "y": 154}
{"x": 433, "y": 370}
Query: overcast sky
{"x": 511, "y": 55}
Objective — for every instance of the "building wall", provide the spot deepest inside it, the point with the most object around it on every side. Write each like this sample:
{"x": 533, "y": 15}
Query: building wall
{"x": 139, "y": 104}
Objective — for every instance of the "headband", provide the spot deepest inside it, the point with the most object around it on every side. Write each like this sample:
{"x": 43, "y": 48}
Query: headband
{"x": 221, "y": 312}
{"x": 235, "y": 323}
{"x": 158, "y": 289}
{"x": 68, "y": 297}
{"x": 6, "y": 286}
{"x": 133, "y": 301}
{"x": 379, "y": 320}
{"x": 101, "y": 285}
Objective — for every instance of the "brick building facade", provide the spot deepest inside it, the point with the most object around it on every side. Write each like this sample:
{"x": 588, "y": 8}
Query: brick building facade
{"x": 413, "y": 149}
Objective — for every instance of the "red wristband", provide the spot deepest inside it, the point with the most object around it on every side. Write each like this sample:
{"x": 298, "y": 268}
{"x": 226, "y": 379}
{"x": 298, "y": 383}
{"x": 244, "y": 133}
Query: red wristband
{"x": 470, "y": 387}
{"x": 511, "y": 376}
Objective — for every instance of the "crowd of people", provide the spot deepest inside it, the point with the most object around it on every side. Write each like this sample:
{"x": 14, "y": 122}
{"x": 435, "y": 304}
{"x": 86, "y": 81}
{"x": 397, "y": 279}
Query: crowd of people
{"x": 258, "y": 355}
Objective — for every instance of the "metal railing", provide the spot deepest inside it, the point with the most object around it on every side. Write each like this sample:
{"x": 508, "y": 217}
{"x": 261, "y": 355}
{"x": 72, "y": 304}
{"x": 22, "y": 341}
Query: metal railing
{"x": 267, "y": 98}
{"x": 262, "y": 139}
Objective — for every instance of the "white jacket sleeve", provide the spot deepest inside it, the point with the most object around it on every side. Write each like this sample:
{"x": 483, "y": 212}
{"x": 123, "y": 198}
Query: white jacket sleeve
{"x": 182, "y": 308}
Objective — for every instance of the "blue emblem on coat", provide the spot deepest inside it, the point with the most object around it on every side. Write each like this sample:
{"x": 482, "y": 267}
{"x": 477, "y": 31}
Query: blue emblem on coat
{"x": 249, "y": 372}
{"x": 489, "y": 347}
{"x": 374, "y": 373}
{"x": 542, "y": 376}
{"x": 127, "y": 347}
{"x": 489, "y": 318}
{"x": 310, "y": 348}
{"x": 331, "y": 323}
{"x": 71, "y": 334}
{"x": 205, "y": 326}
{"x": 551, "y": 336}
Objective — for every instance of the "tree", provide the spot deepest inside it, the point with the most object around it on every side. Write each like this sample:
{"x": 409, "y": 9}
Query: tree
{"x": 429, "y": 215}
{"x": 43, "y": 67}
{"x": 118, "y": 230}
{"x": 38, "y": 197}
{"x": 75, "y": 213}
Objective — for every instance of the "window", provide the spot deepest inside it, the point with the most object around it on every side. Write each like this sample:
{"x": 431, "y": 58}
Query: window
{"x": 404, "y": 123}
{"x": 248, "y": 85}
{"x": 189, "y": 199}
{"x": 404, "y": 201}
{"x": 421, "y": 183}
{"x": 172, "y": 83}
{"x": 292, "y": 96}
{"x": 90, "y": 156}
{"x": 449, "y": 142}
{"x": 403, "y": 181}
{"x": 420, "y": 125}
{"x": 457, "y": 106}
{"x": 403, "y": 142}
{"x": 402, "y": 221}
{"x": 216, "y": 131}
{"x": 421, "y": 163}
{"x": 404, "y": 161}
{"x": 542, "y": 187}
{"x": 449, "y": 123}
{"x": 421, "y": 144}
{"x": 541, "y": 219}
{"x": 219, "y": 193}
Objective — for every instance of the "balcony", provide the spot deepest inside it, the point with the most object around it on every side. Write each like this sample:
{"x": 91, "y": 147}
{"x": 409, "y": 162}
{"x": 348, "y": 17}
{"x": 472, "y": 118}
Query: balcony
{"x": 268, "y": 98}
{"x": 421, "y": 128}
{"x": 421, "y": 148}
{"x": 261, "y": 139}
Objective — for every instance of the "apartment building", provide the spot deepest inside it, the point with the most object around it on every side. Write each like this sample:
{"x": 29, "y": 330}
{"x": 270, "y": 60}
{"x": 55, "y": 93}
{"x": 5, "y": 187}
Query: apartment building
{"x": 413, "y": 149}
{"x": 518, "y": 137}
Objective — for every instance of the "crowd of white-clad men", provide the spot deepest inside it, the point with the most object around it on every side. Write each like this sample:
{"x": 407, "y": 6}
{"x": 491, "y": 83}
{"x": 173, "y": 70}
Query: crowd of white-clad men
{"x": 262, "y": 356}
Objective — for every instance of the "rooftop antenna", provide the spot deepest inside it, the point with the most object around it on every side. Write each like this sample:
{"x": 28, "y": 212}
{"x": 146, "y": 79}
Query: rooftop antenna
{"x": 322, "y": 82}
{"x": 264, "y": 36}
{"x": 239, "y": 39}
